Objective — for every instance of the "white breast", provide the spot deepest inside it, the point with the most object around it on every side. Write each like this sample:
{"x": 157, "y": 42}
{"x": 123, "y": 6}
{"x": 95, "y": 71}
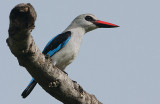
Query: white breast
{"x": 67, "y": 54}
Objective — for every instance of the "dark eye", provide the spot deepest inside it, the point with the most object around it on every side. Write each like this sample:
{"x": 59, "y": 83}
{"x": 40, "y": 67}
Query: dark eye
{"x": 89, "y": 18}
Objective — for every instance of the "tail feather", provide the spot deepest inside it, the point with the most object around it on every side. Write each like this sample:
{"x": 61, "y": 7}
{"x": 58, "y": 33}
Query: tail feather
{"x": 29, "y": 88}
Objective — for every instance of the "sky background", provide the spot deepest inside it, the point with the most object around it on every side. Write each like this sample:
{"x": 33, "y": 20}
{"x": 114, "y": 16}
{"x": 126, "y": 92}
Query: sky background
{"x": 119, "y": 65}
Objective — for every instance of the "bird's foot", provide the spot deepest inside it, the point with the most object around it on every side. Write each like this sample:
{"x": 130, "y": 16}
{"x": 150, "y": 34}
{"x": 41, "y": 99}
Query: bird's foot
{"x": 65, "y": 72}
{"x": 47, "y": 56}
{"x": 74, "y": 81}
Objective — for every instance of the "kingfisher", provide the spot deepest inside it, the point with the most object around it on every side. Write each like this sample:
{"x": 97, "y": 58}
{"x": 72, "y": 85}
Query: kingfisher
{"x": 63, "y": 48}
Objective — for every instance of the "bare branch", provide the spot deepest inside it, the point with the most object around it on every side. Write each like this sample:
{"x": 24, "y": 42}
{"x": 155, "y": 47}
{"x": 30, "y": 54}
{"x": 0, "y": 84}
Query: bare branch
{"x": 50, "y": 78}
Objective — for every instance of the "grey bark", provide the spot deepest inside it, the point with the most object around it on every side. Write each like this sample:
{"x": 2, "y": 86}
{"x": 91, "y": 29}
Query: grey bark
{"x": 51, "y": 79}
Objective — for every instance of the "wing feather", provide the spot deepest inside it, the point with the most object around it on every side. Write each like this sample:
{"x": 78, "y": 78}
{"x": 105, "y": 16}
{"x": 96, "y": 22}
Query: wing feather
{"x": 57, "y": 43}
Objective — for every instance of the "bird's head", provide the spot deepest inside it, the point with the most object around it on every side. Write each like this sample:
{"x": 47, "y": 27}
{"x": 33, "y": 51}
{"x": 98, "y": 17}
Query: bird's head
{"x": 89, "y": 22}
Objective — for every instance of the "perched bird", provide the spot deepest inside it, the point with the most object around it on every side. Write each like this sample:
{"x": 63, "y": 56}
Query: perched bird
{"x": 64, "y": 47}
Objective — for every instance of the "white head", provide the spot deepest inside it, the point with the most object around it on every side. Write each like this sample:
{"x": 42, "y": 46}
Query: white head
{"x": 89, "y": 22}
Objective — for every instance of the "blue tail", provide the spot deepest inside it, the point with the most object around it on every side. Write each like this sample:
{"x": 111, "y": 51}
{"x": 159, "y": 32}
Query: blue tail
{"x": 29, "y": 88}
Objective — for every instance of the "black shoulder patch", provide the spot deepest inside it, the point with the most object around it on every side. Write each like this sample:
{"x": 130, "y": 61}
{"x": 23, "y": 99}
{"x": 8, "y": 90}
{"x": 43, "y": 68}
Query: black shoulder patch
{"x": 56, "y": 41}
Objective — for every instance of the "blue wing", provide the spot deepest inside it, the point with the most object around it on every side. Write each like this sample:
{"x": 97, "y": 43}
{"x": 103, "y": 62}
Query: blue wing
{"x": 57, "y": 43}
{"x": 53, "y": 46}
